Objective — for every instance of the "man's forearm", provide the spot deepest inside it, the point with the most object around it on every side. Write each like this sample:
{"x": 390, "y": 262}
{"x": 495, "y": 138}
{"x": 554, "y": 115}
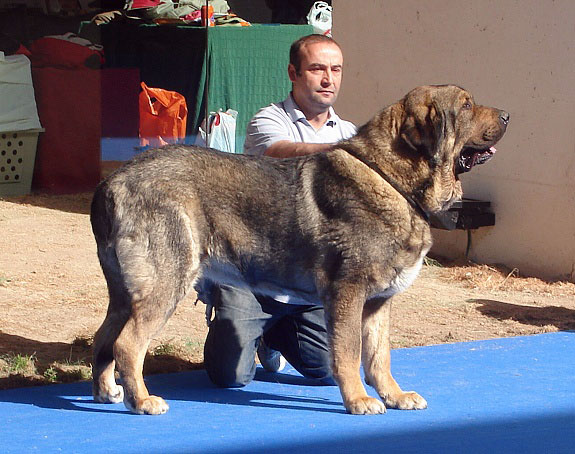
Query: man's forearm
{"x": 287, "y": 149}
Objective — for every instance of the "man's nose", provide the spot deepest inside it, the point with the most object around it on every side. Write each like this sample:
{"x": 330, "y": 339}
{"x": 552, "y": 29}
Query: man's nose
{"x": 327, "y": 77}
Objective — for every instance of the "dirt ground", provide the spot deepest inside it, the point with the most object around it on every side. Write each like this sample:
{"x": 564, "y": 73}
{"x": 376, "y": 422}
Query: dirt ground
{"x": 53, "y": 298}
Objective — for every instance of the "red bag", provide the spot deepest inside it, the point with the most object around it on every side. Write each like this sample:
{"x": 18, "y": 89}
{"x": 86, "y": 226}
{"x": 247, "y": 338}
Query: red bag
{"x": 163, "y": 116}
{"x": 66, "y": 51}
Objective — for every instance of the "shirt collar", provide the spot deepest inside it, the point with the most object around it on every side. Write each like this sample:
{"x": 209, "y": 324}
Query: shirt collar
{"x": 295, "y": 113}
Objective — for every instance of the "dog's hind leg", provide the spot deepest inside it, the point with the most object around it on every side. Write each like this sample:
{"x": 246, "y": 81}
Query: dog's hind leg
{"x": 140, "y": 304}
{"x": 150, "y": 260}
{"x": 129, "y": 351}
{"x": 377, "y": 360}
{"x": 104, "y": 387}
{"x": 157, "y": 272}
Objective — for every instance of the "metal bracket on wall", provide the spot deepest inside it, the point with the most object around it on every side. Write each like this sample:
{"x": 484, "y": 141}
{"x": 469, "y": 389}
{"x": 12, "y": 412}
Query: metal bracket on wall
{"x": 467, "y": 214}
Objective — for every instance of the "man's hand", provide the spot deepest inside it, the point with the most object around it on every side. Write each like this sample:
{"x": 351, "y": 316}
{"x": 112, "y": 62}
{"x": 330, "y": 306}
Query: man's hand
{"x": 104, "y": 18}
{"x": 287, "y": 149}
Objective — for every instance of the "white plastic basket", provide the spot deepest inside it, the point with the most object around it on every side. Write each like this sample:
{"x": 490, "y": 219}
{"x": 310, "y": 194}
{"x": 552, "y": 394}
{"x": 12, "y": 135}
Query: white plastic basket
{"x": 17, "y": 155}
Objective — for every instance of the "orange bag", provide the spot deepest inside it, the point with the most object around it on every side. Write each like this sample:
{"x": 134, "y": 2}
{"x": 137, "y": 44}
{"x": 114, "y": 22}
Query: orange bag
{"x": 163, "y": 116}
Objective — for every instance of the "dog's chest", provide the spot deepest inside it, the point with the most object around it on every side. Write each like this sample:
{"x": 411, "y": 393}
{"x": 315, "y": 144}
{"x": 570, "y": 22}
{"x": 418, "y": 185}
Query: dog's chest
{"x": 402, "y": 281}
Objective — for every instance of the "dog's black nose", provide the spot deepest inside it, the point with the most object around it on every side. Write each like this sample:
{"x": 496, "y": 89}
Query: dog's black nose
{"x": 504, "y": 117}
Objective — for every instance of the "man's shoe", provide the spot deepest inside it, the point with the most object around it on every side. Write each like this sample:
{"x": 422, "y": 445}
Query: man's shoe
{"x": 270, "y": 359}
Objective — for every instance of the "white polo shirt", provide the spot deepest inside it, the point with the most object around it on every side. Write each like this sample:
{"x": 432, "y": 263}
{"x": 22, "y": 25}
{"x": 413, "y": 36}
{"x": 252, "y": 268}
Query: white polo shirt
{"x": 285, "y": 121}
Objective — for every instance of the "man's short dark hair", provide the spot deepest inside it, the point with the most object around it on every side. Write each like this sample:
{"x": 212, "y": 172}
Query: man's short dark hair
{"x": 295, "y": 49}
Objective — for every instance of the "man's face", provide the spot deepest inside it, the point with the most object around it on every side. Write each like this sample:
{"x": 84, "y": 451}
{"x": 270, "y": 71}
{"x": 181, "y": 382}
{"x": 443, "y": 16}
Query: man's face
{"x": 316, "y": 85}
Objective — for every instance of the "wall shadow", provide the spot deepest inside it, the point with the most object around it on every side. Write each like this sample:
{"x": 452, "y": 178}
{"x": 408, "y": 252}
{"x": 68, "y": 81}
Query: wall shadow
{"x": 71, "y": 203}
{"x": 61, "y": 354}
{"x": 560, "y": 317}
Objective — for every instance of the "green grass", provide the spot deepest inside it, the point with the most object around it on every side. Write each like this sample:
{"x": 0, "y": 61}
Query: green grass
{"x": 5, "y": 281}
{"x": 15, "y": 363}
{"x": 51, "y": 374}
{"x": 193, "y": 345}
{"x": 34, "y": 370}
{"x": 67, "y": 371}
{"x": 178, "y": 348}
{"x": 431, "y": 262}
{"x": 165, "y": 349}
{"x": 83, "y": 341}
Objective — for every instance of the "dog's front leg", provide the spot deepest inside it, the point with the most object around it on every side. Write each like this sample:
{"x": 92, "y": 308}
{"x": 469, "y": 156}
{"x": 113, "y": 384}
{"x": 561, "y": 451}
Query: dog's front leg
{"x": 344, "y": 325}
{"x": 377, "y": 360}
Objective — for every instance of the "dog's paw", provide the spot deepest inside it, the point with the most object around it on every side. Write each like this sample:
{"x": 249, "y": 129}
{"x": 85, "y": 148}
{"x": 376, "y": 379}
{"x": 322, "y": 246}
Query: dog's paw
{"x": 406, "y": 401}
{"x": 113, "y": 395}
{"x": 151, "y": 405}
{"x": 365, "y": 406}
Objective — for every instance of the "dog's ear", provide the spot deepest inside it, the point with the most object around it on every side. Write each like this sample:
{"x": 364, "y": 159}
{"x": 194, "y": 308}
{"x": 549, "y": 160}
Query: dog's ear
{"x": 422, "y": 125}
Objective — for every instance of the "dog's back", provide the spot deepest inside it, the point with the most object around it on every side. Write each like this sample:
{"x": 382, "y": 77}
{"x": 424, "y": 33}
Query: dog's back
{"x": 161, "y": 209}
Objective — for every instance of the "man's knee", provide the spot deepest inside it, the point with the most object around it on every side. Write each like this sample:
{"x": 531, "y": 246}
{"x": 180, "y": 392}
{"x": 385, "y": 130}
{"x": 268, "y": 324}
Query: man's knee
{"x": 325, "y": 379}
{"x": 228, "y": 377}
{"x": 320, "y": 373}
{"x": 228, "y": 362}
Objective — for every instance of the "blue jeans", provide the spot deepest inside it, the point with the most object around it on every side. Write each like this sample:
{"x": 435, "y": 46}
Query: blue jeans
{"x": 242, "y": 318}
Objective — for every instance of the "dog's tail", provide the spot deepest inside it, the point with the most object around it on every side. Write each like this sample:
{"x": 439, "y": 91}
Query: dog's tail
{"x": 102, "y": 214}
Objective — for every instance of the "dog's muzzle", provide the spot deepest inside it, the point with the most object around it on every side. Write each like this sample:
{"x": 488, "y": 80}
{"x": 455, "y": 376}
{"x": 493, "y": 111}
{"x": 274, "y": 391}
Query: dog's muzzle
{"x": 471, "y": 156}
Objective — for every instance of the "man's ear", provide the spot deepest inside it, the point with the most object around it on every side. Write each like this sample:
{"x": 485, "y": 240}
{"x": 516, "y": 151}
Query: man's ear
{"x": 419, "y": 128}
{"x": 292, "y": 72}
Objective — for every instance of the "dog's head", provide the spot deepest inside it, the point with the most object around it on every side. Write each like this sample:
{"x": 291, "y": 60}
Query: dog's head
{"x": 443, "y": 124}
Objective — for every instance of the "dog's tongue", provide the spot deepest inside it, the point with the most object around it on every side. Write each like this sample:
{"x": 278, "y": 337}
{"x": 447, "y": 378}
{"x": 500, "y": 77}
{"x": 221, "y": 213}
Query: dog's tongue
{"x": 481, "y": 157}
{"x": 466, "y": 163}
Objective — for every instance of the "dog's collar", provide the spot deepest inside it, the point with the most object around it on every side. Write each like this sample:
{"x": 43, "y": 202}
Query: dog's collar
{"x": 413, "y": 202}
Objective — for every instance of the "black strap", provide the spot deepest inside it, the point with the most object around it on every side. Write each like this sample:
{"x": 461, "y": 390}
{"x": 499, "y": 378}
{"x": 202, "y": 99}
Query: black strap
{"x": 414, "y": 203}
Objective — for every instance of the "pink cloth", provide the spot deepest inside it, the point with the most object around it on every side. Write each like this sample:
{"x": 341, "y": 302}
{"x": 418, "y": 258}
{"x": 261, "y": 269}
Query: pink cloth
{"x": 137, "y": 4}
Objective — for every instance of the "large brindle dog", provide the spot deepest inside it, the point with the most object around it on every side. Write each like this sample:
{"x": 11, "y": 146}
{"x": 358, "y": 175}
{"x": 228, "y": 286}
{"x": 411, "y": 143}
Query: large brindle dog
{"x": 348, "y": 228}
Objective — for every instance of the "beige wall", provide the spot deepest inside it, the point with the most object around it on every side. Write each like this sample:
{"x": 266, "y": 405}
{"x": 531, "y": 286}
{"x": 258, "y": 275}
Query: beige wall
{"x": 516, "y": 55}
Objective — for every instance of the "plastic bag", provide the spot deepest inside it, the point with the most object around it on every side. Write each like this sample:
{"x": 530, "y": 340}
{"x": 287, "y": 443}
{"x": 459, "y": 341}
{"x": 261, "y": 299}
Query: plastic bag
{"x": 319, "y": 17}
{"x": 18, "y": 111}
{"x": 66, "y": 51}
{"x": 171, "y": 9}
{"x": 163, "y": 116}
{"x": 221, "y": 133}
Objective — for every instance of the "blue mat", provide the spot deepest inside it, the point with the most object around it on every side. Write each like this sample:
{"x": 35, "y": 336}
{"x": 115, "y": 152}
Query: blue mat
{"x": 496, "y": 396}
{"x": 119, "y": 148}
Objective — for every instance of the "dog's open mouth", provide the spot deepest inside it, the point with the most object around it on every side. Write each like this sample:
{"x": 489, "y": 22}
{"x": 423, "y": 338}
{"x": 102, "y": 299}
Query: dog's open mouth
{"x": 470, "y": 157}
